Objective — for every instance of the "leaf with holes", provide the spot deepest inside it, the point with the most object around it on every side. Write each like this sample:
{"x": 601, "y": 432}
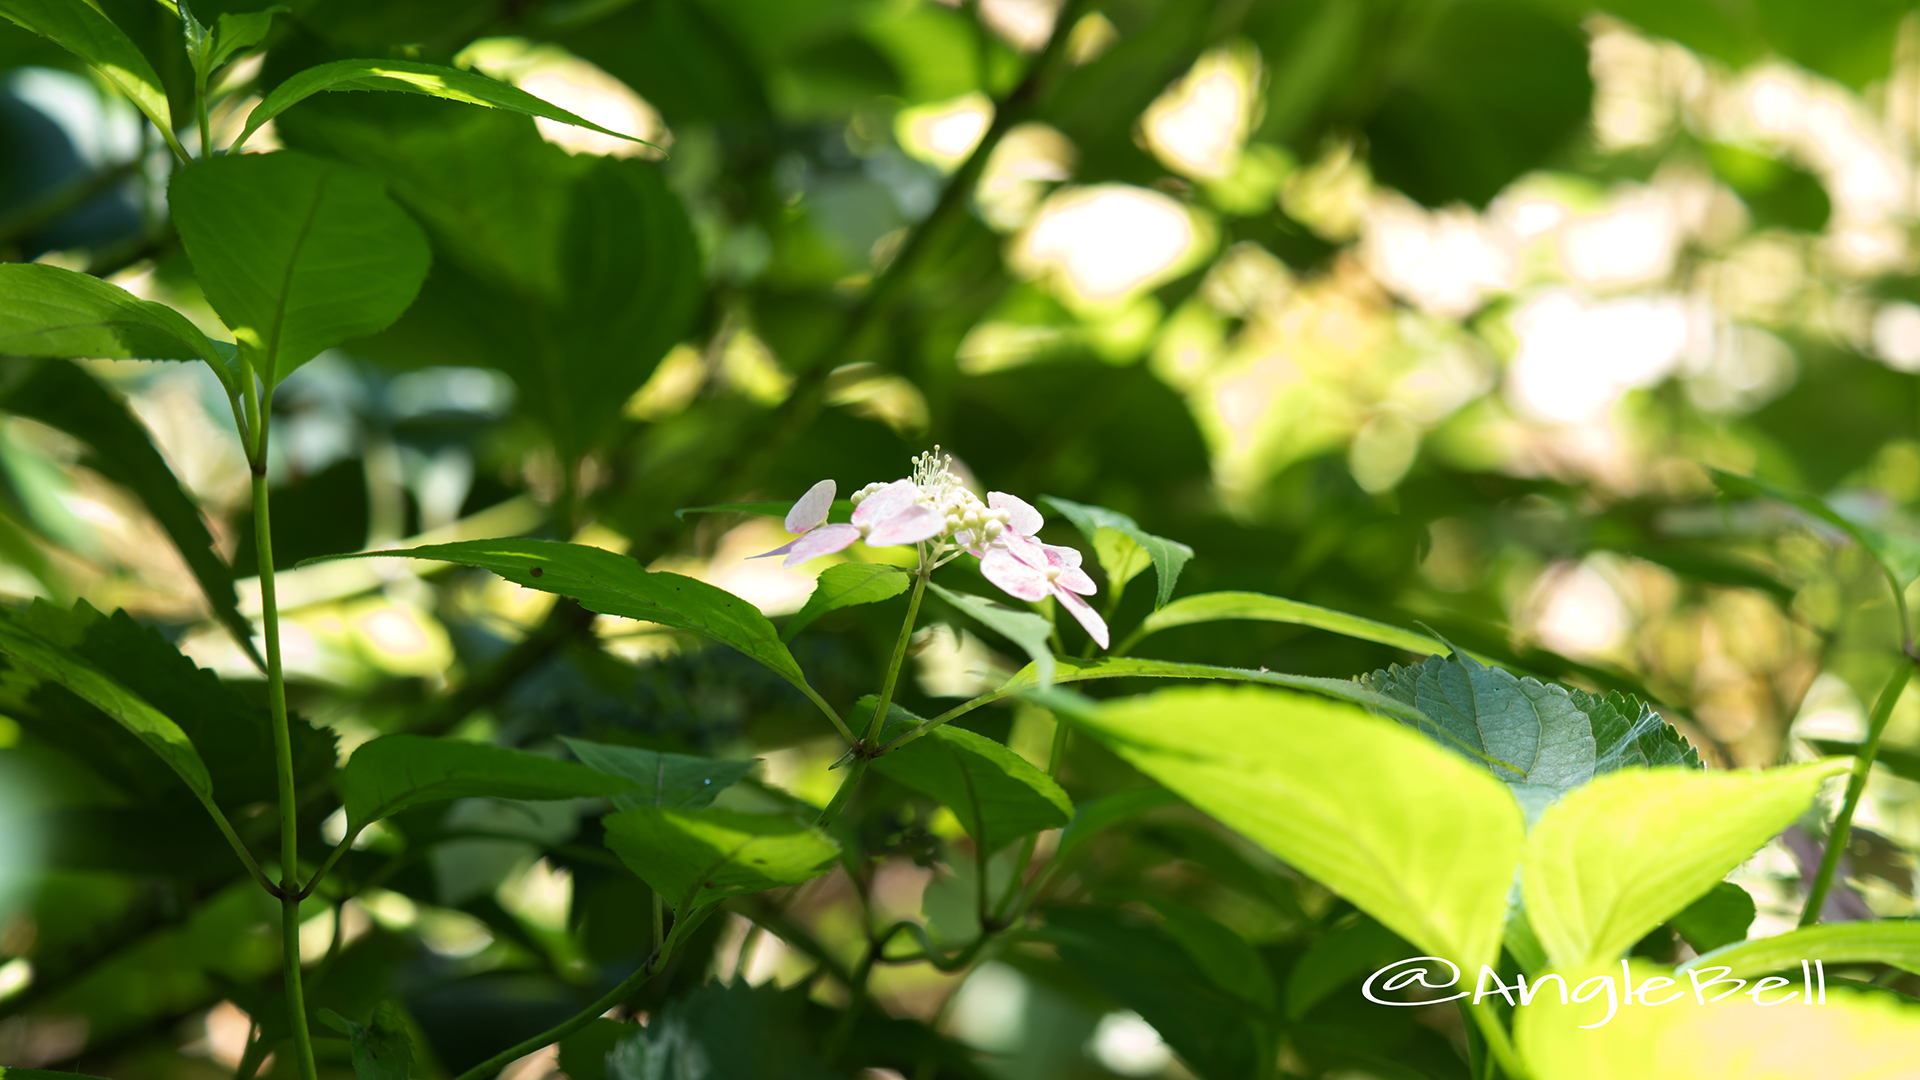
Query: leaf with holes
{"x": 695, "y": 858}
{"x": 295, "y": 253}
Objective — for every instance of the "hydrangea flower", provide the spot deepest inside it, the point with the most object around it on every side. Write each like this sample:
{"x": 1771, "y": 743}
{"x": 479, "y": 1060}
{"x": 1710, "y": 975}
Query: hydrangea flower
{"x": 887, "y": 515}
{"x": 1030, "y": 570}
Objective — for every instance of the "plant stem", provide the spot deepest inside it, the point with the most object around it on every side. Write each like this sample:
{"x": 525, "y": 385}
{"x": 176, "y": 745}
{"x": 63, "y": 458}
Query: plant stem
{"x": 854, "y": 772}
{"x": 282, "y": 752}
{"x": 681, "y": 928}
{"x": 899, "y": 651}
{"x": 1497, "y": 1041}
{"x": 1856, "y": 786}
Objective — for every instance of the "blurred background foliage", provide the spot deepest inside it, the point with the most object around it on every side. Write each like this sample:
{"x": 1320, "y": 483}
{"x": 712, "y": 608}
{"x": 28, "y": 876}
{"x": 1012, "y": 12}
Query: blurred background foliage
{"x": 1429, "y": 311}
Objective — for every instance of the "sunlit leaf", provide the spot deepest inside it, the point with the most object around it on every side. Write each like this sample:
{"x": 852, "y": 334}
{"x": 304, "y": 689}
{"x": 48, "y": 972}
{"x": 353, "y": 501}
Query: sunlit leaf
{"x": 1025, "y": 629}
{"x": 1616, "y": 858}
{"x": 997, "y": 795}
{"x": 1895, "y": 942}
{"x": 1169, "y": 556}
{"x": 618, "y": 585}
{"x": 1419, "y": 839}
{"x": 1221, "y": 606}
{"x": 845, "y": 585}
{"x": 295, "y": 253}
{"x": 699, "y": 858}
{"x": 407, "y": 76}
{"x": 671, "y": 781}
{"x": 48, "y": 311}
{"x": 81, "y": 29}
{"x": 394, "y": 772}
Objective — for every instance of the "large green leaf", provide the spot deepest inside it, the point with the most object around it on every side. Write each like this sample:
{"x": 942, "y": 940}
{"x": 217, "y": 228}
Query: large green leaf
{"x": 1025, "y": 629}
{"x": 845, "y": 585}
{"x": 1169, "y": 556}
{"x": 576, "y": 294}
{"x": 1219, "y": 606}
{"x": 669, "y": 781}
{"x": 1419, "y": 839}
{"x": 1892, "y": 942}
{"x": 1687, "y": 1036}
{"x": 407, "y": 76}
{"x": 1621, "y": 855}
{"x": 62, "y": 396}
{"x": 1721, "y": 916}
{"x": 618, "y": 585}
{"x": 394, "y": 772}
{"x": 1543, "y": 740}
{"x": 48, "y": 311}
{"x": 699, "y": 858}
{"x": 998, "y": 795}
{"x": 7, "y": 1073}
{"x": 81, "y": 29}
{"x": 56, "y": 663}
{"x": 723, "y": 1031}
{"x": 296, "y": 254}
{"x": 381, "y": 1048}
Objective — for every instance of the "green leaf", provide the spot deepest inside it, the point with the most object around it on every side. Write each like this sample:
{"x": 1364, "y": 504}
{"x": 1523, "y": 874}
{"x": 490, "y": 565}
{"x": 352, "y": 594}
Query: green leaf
{"x": 63, "y": 396}
{"x": 295, "y": 253}
{"x": 1412, "y": 835}
{"x": 844, "y": 585}
{"x": 699, "y": 858}
{"x": 1891, "y": 942}
{"x": 1218, "y": 606}
{"x": 998, "y": 795}
{"x": 1720, "y": 917}
{"x": 1121, "y": 558}
{"x": 1090, "y": 819}
{"x": 670, "y": 781}
{"x": 81, "y": 29}
{"x": 1233, "y": 964}
{"x": 57, "y": 663}
{"x": 1897, "y": 556}
{"x": 381, "y": 1049}
{"x": 618, "y": 585}
{"x": 1339, "y": 957}
{"x": 406, "y": 76}
{"x": 1127, "y": 667}
{"x": 51, "y": 312}
{"x": 1618, "y": 857}
{"x": 840, "y": 510}
{"x": 237, "y": 31}
{"x": 7, "y": 1073}
{"x": 1541, "y": 739}
{"x": 583, "y": 1054}
{"x": 1169, "y": 556}
{"x": 394, "y": 772}
{"x": 724, "y": 1031}
{"x": 1025, "y": 629}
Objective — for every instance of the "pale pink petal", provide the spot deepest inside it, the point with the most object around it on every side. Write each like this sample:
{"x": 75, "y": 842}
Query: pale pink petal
{"x": 910, "y": 526}
{"x": 1013, "y": 576}
{"x": 1063, "y": 556}
{"x": 781, "y": 550}
{"x": 824, "y": 540}
{"x": 1090, "y": 619}
{"x": 1074, "y": 579}
{"x": 1029, "y": 551}
{"x": 885, "y": 503}
{"x": 1021, "y": 516}
{"x": 811, "y": 511}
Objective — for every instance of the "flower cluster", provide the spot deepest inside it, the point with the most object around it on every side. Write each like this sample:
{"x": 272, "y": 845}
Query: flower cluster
{"x": 935, "y": 508}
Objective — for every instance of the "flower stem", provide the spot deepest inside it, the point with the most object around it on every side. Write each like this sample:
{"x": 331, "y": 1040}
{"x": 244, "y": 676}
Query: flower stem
{"x": 899, "y": 652}
{"x": 1498, "y": 1044}
{"x": 1856, "y": 786}
{"x": 283, "y": 765}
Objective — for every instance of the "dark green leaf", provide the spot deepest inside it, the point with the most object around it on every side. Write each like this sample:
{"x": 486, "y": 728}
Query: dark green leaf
{"x": 1338, "y": 958}
{"x": 1721, "y": 917}
{"x": 296, "y": 254}
{"x": 1169, "y": 556}
{"x": 48, "y": 311}
{"x": 1227, "y": 958}
{"x": 7, "y": 1073}
{"x": 381, "y": 1049}
{"x": 998, "y": 795}
{"x": 406, "y": 76}
{"x": 1025, "y": 629}
{"x": 62, "y": 396}
{"x": 1092, "y": 818}
{"x": 618, "y": 585}
{"x": 845, "y": 585}
{"x": 81, "y": 29}
{"x": 237, "y": 31}
{"x": 394, "y": 772}
{"x": 699, "y": 858}
{"x": 723, "y": 1032}
{"x": 670, "y": 781}
{"x": 583, "y": 1054}
{"x": 58, "y": 664}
